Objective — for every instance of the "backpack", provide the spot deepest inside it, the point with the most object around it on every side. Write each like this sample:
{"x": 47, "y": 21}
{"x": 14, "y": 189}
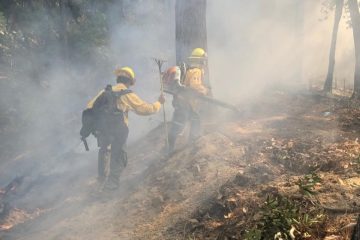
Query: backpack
{"x": 104, "y": 117}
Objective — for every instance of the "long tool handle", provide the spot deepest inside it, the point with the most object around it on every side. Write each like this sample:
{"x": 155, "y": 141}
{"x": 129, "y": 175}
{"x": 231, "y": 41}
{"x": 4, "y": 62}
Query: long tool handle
{"x": 160, "y": 63}
{"x": 208, "y": 99}
{"x": 85, "y": 144}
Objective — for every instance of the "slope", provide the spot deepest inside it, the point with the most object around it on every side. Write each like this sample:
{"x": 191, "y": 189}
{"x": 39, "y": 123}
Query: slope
{"x": 210, "y": 189}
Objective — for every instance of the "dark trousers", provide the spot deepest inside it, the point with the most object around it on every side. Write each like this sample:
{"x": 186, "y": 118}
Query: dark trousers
{"x": 181, "y": 116}
{"x": 112, "y": 146}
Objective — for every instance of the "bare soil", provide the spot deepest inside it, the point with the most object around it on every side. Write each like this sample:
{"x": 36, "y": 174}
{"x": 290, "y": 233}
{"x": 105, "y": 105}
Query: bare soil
{"x": 213, "y": 188}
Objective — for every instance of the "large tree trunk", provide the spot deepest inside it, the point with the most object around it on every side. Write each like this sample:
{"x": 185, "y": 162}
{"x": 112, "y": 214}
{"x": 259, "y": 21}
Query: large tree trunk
{"x": 190, "y": 20}
{"x": 355, "y": 21}
{"x": 190, "y": 17}
{"x": 63, "y": 34}
{"x": 330, "y": 75}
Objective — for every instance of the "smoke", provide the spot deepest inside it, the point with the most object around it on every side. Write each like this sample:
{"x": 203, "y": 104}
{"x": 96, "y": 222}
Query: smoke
{"x": 51, "y": 92}
{"x": 149, "y": 33}
{"x": 256, "y": 45}
{"x": 253, "y": 45}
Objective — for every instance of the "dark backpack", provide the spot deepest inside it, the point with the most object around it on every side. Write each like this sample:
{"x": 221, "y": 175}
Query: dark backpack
{"x": 104, "y": 117}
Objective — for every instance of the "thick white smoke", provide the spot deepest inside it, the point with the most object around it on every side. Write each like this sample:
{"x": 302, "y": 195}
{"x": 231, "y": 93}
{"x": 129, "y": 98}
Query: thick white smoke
{"x": 256, "y": 44}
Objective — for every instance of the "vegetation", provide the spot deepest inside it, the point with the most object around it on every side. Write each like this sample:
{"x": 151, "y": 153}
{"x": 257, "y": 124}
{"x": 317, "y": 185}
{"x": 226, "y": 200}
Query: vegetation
{"x": 307, "y": 183}
{"x": 283, "y": 218}
{"x": 65, "y": 38}
{"x": 48, "y": 45}
{"x": 286, "y": 218}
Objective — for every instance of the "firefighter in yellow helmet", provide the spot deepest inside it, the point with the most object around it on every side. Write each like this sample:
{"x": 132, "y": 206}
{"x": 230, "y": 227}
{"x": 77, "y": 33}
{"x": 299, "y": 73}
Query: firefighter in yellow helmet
{"x": 112, "y": 137}
{"x": 186, "y": 106}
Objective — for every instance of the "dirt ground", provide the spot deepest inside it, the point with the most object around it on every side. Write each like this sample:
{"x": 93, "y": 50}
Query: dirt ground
{"x": 211, "y": 189}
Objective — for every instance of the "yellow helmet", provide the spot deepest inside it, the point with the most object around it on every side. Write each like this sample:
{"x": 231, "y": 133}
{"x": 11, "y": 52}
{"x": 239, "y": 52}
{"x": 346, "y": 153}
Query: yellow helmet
{"x": 125, "y": 72}
{"x": 198, "y": 53}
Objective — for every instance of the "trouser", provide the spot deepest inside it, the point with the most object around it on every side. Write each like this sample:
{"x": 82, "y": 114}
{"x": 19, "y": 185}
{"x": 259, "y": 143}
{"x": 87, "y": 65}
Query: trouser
{"x": 103, "y": 163}
{"x": 181, "y": 116}
{"x": 113, "y": 147}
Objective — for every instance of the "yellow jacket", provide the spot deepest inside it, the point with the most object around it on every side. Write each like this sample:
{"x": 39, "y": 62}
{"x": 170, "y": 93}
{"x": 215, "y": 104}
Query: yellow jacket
{"x": 130, "y": 102}
{"x": 194, "y": 79}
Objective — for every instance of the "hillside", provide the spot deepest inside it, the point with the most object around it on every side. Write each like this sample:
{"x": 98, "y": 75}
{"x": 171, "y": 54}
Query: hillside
{"x": 298, "y": 151}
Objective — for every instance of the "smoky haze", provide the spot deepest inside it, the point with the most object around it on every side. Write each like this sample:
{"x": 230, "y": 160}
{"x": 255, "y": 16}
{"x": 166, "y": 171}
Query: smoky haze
{"x": 54, "y": 92}
{"x": 256, "y": 44}
{"x": 252, "y": 45}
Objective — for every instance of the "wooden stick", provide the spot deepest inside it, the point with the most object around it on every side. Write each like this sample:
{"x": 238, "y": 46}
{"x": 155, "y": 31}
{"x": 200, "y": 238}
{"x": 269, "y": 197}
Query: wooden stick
{"x": 160, "y": 62}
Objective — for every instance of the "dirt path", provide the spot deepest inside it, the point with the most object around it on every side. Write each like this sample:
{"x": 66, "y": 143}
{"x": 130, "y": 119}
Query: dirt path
{"x": 158, "y": 193}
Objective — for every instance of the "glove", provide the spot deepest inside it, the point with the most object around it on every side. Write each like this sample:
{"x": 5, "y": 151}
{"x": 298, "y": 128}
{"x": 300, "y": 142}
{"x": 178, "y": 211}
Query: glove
{"x": 161, "y": 99}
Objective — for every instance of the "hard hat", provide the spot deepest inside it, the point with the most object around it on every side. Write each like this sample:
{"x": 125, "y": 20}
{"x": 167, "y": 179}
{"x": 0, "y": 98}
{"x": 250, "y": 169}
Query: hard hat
{"x": 125, "y": 72}
{"x": 172, "y": 70}
{"x": 172, "y": 74}
{"x": 198, "y": 53}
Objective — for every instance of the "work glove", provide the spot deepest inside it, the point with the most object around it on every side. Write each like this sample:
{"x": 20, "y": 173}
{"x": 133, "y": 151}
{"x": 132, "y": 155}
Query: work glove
{"x": 161, "y": 99}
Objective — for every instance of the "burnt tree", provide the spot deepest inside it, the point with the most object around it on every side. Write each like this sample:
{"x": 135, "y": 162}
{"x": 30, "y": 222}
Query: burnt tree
{"x": 355, "y": 22}
{"x": 330, "y": 74}
{"x": 190, "y": 20}
{"x": 63, "y": 32}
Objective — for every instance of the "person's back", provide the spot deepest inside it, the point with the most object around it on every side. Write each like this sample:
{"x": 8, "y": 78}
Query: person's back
{"x": 112, "y": 141}
{"x": 186, "y": 104}
{"x": 194, "y": 79}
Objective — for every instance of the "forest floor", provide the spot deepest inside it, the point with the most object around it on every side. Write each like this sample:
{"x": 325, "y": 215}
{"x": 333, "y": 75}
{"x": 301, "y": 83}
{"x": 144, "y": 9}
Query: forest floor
{"x": 295, "y": 152}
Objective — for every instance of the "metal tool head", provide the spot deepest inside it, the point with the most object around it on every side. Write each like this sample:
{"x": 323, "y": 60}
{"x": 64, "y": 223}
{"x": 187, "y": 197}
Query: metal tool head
{"x": 159, "y": 62}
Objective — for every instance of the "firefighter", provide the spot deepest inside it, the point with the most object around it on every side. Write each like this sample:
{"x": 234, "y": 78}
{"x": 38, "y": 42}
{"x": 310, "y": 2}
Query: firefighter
{"x": 112, "y": 141}
{"x": 186, "y": 107}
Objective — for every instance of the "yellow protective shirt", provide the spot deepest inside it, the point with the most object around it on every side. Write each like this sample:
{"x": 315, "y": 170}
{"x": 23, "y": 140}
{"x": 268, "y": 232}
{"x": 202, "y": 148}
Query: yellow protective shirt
{"x": 194, "y": 79}
{"x": 130, "y": 102}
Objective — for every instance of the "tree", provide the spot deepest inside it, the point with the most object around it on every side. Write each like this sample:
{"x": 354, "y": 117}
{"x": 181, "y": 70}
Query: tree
{"x": 190, "y": 17}
{"x": 63, "y": 32}
{"x": 190, "y": 20}
{"x": 339, "y": 5}
{"x": 355, "y": 22}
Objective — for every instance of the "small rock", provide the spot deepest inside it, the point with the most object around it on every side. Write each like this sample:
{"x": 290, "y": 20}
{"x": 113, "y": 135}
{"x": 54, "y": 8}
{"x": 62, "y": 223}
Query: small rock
{"x": 193, "y": 220}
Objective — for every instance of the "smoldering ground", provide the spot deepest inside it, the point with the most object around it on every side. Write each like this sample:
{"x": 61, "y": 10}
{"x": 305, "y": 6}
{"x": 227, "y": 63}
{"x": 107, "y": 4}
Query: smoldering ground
{"x": 251, "y": 47}
{"x": 54, "y": 97}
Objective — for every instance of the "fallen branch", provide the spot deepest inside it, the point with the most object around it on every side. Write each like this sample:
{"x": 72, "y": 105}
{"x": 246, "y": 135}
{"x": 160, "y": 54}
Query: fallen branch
{"x": 341, "y": 210}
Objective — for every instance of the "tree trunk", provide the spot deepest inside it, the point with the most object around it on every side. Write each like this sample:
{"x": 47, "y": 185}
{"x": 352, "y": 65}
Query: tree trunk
{"x": 190, "y": 21}
{"x": 63, "y": 31}
{"x": 190, "y": 17}
{"x": 355, "y": 22}
{"x": 330, "y": 75}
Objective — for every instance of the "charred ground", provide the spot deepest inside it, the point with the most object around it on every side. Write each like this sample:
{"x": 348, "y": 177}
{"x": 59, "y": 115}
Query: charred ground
{"x": 246, "y": 177}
